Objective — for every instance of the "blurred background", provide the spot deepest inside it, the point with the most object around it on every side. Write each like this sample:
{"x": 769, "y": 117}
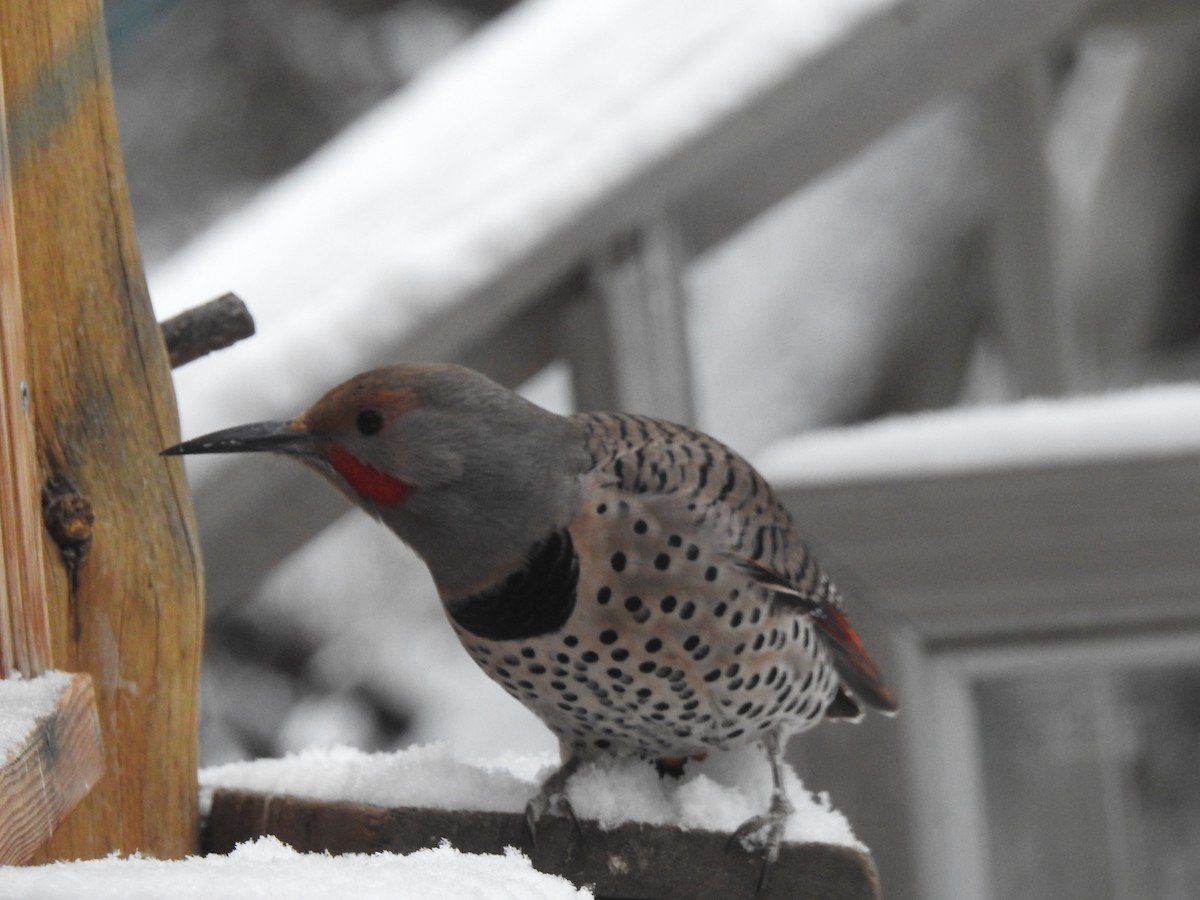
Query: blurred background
{"x": 757, "y": 219}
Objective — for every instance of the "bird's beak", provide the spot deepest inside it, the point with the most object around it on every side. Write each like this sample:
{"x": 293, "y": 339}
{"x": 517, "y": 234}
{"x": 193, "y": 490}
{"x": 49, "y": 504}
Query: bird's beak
{"x": 275, "y": 437}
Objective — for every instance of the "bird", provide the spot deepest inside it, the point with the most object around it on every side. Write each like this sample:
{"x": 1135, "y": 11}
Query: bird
{"x": 634, "y": 582}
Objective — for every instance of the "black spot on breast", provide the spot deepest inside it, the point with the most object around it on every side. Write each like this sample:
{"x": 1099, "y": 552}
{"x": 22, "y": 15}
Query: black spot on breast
{"x": 618, "y": 561}
{"x": 535, "y": 600}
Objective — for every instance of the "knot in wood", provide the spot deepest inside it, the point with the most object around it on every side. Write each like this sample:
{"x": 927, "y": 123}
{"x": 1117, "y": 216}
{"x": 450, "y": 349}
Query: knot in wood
{"x": 68, "y": 516}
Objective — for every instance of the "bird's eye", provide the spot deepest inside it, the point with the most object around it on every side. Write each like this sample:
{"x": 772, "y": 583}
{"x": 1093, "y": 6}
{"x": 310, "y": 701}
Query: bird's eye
{"x": 369, "y": 422}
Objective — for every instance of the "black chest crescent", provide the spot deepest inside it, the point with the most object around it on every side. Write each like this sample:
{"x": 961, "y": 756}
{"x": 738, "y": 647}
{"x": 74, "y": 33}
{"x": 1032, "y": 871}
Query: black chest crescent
{"x": 536, "y": 599}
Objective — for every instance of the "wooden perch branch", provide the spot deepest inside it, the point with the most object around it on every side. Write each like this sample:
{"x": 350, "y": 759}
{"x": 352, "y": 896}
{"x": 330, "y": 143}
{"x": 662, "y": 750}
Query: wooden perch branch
{"x": 50, "y": 772}
{"x": 209, "y": 327}
{"x": 632, "y": 860}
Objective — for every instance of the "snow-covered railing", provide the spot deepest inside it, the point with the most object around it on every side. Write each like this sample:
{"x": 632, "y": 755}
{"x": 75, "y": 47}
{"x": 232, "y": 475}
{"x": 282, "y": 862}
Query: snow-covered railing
{"x": 540, "y": 194}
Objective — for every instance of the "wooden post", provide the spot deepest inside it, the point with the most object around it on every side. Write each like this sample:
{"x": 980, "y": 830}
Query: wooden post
{"x": 43, "y": 778}
{"x": 24, "y": 623}
{"x": 121, "y": 559}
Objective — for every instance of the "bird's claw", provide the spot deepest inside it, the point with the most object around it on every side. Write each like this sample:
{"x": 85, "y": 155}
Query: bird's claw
{"x": 542, "y": 804}
{"x": 552, "y": 798}
{"x": 773, "y": 823}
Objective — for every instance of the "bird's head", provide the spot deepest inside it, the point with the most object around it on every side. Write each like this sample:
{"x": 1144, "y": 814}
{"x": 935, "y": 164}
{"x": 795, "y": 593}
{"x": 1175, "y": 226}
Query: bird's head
{"x": 448, "y": 459}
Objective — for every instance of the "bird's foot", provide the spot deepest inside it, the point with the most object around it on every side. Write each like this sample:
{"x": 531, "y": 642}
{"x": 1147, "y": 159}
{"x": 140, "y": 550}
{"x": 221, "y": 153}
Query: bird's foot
{"x": 764, "y": 832}
{"x": 552, "y": 798}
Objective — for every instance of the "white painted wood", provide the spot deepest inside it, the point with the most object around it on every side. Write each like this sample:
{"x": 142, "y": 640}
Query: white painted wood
{"x": 1021, "y": 554}
{"x": 638, "y": 282}
{"x": 945, "y": 764}
{"x": 1034, "y": 325}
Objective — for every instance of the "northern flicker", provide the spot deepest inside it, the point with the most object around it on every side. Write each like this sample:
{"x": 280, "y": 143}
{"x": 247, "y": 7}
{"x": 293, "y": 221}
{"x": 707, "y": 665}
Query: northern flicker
{"x": 635, "y": 583}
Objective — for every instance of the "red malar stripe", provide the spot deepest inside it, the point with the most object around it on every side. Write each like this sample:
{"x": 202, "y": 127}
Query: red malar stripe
{"x": 376, "y": 486}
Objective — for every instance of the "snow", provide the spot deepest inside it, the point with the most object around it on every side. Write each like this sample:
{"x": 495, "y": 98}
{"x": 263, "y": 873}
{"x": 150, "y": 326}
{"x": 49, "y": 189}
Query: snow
{"x": 23, "y": 702}
{"x": 1147, "y": 421}
{"x": 267, "y": 867}
{"x": 716, "y": 794}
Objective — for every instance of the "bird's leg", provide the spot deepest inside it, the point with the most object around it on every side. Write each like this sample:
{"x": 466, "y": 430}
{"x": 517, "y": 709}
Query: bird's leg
{"x": 552, "y": 795}
{"x": 774, "y": 821}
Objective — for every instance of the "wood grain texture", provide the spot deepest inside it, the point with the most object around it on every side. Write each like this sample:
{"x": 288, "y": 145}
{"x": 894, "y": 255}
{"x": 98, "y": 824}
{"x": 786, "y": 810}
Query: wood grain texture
{"x": 24, "y": 622}
{"x": 632, "y": 860}
{"x": 50, "y": 773}
{"x": 103, "y": 405}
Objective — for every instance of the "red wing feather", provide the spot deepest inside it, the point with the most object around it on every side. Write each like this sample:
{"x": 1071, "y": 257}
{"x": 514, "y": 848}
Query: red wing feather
{"x": 854, "y": 663}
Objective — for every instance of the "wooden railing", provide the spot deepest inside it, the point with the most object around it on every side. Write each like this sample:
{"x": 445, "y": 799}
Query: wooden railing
{"x": 596, "y": 277}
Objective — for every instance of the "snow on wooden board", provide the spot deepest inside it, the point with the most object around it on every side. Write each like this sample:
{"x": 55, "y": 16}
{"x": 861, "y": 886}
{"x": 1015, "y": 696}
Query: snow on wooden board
{"x": 1149, "y": 421}
{"x": 24, "y": 702}
{"x": 269, "y": 868}
{"x": 718, "y": 794}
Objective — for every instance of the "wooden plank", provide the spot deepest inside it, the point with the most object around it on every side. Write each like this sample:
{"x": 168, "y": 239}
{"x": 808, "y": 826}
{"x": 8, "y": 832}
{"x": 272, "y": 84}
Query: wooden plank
{"x": 24, "y": 620}
{"x": 638, "y": 282}
{"x": 44, "y": 778}
{"x": 835, "y": 102}
{"x": 1024, "y": 554}
{"x": 632, "y": 860}
{"x": 1034, "y": 324}
{"x": 125, "y": 590}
